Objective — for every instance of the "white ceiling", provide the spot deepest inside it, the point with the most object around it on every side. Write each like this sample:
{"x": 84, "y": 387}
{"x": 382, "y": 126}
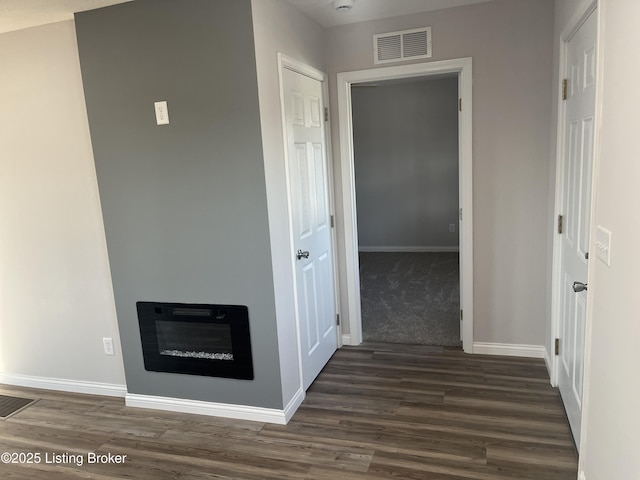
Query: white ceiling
{"x": 364, "y": 10}
{"x": 18, "y": 14}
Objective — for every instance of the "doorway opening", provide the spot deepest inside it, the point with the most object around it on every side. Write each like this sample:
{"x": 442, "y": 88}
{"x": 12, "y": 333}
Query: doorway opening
{"x": 459, "y": 69}
{"x": 405, "y": 138}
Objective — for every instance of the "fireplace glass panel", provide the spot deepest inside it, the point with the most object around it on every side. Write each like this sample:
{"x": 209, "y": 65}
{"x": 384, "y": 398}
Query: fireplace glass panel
{"x": 194, "y": 340}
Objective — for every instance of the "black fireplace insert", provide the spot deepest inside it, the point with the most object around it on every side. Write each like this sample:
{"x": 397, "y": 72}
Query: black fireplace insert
{"x": 196, "y": 339}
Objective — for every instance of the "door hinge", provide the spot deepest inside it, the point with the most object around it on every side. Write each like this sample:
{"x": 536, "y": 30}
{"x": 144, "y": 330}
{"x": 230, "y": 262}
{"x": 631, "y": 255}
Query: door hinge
{"x": 461, "y": 315}
{"x": 557, "y": 346}
{"x": 460, "y": 214}
{"x": 326, "y": 114}
{"x": 460, "y": 104}
{"x": 332, "y": 222}
{"x": 560, "y": 223}
{"x": 564, "y": 89}
{"x": 337, "y": 319}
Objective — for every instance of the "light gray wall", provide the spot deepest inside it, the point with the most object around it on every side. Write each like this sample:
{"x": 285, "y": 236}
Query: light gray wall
{"x": 611, "y": 419}
{"x": 511, "y": 46}
{"x": 406, "y": 163}
{"x": 279, "y": 28}
{"x": 56, "y": 302}
{"x": 184, "y": 204}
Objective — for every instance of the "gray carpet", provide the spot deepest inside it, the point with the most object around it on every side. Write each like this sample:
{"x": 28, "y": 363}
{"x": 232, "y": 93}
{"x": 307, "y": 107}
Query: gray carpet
{"x": 411, "y": 298}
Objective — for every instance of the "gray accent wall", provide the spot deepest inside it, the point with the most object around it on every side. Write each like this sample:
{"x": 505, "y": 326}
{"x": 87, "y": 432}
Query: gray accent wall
{"x": 184, "y": 204}
{"x": 406, "y": 163}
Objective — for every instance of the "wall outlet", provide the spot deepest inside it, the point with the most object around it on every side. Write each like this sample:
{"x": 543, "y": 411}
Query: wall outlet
{"x": 162, "y": 113}
{"x": 108, "y": 346}
{"x": 452, "y": 227}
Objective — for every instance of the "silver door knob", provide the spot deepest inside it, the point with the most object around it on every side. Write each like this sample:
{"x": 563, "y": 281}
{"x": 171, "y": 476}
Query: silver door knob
{"x": 579, "y": 287}
{"x": 302, "y": 254}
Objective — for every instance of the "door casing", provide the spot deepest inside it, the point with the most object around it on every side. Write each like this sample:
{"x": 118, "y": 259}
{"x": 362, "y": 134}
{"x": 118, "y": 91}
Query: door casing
{"x": 351, "y": 291}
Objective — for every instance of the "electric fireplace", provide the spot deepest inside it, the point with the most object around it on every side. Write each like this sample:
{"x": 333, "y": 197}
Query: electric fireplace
{"x": 196, "y": 339}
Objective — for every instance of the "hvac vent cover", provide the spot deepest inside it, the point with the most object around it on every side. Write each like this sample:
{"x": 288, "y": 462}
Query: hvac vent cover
{"x": 402, "y": 46}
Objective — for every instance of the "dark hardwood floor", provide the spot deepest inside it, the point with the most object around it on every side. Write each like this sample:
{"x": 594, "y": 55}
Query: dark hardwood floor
{"x": 375, "y": 412}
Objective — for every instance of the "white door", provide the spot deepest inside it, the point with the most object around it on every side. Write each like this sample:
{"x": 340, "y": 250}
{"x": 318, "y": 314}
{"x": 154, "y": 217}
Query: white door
{"x": 576, "y": 211}
{"x": 310, "y": 221}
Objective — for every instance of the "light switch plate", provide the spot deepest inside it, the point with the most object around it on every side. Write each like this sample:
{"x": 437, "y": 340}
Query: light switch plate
{"x": 603, "y": 245}
{"x": 162, "y": 113}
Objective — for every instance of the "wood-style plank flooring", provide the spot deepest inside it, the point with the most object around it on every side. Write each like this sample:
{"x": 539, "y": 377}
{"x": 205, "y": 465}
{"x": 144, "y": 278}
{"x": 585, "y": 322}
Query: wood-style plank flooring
{"x": 375, "y": 412}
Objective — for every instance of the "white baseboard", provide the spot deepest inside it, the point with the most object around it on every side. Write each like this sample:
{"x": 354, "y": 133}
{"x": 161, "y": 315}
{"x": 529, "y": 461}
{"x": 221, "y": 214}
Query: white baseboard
{"x": 64, "y": 385}
{"x": 225, "y": 410}
{"x": 346, "y": 339}
{"x": 366, "y": 249}
{"x": 509, "y": 349}
{"x": 293, "y": 405}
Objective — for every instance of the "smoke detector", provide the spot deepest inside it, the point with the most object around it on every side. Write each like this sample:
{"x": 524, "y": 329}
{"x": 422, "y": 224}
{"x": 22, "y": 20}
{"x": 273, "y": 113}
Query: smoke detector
{"x": 343, "y": 5}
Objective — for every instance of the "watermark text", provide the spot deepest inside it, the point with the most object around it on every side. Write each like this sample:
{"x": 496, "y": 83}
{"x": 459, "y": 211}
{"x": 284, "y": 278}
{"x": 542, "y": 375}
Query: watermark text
{"x": 61, "y": 458}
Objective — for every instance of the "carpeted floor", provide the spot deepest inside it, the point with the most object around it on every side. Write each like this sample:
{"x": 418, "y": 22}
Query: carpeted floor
{"x": 411, "y": 298}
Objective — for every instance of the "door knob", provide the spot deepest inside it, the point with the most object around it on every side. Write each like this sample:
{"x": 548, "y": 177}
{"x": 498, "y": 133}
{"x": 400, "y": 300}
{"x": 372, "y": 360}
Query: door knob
{"x": 302, "y": 254}
{"x": 579, "y": 287}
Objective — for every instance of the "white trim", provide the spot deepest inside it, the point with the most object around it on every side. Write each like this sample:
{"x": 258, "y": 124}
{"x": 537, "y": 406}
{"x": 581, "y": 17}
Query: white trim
{"x": 509, "y": 349}
{"x": 197, "y": 407}
{"x": 293, "y": 405}
{"x": 64, "y": 385}
{"x": 291, "y": 63}
{"x": 346, "y": 339}
{"x": 409, "y": 249}
{"x": 462, "y": 67}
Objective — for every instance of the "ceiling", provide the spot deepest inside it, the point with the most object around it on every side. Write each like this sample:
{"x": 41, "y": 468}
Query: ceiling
{"x": 18, "y": 14}
{"x": 322, "y": 11}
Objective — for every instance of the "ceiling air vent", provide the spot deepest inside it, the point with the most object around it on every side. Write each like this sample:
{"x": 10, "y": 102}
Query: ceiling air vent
{"x": 402, "y": 46}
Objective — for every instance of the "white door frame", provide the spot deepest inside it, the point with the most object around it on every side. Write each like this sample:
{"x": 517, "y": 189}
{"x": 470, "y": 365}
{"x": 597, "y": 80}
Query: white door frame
{"x": 462, "y": 67}
{"x": 286, "y": 62}
{"x": 577, "y": 20}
